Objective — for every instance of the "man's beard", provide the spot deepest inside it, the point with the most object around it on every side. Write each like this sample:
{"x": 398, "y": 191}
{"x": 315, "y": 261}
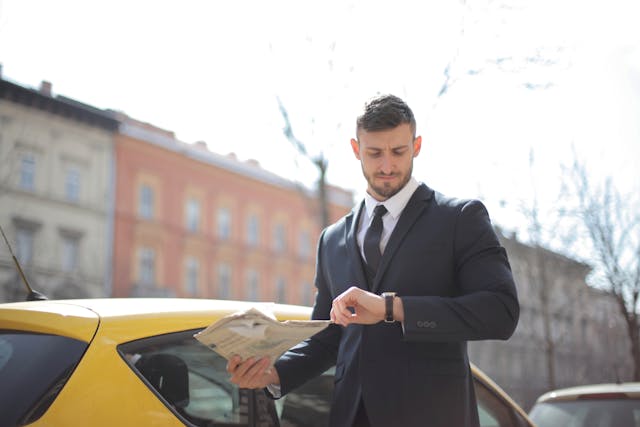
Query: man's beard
{"x": 386, "y": 190}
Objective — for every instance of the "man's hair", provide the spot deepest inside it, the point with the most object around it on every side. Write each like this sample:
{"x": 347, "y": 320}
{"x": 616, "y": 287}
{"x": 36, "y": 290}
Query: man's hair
{"x": 385, "y": 112}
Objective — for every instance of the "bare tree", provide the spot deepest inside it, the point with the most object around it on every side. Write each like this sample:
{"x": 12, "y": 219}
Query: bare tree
{"x": 542, "y": 268}
{"x": 319, "y": 161}
{"x": 611, "y": 224}
{"x": 538, "y": 275}
{"x": 315, "y": 150}
{"x": 498, "y": 19}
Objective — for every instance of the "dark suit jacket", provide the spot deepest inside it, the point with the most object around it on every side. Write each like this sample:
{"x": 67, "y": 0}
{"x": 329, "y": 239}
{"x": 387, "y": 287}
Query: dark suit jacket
{"x": 444, "y": 260}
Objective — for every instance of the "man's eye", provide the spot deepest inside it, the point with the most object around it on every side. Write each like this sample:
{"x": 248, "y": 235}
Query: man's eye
{"x": 374, "y": 154}
{"x": 398, "y": 152}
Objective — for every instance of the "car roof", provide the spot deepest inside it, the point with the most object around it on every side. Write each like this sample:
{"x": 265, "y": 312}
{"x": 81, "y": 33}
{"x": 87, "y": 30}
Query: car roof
{"x": 124, "y": 319}
{"x": 604, "y": 391}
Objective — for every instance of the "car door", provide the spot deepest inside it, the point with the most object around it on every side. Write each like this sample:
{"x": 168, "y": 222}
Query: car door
{"x": 192, "y": 381}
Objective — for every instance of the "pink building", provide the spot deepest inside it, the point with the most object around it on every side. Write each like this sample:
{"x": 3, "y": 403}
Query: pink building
{"x": 189, "y": 222}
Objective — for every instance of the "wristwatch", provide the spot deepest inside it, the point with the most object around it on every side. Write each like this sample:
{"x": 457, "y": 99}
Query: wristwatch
{"x": 388, "y": 306}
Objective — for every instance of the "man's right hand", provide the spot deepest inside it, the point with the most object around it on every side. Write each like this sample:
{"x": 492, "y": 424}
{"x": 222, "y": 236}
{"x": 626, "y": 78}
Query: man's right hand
{"x": 253, "y": 372}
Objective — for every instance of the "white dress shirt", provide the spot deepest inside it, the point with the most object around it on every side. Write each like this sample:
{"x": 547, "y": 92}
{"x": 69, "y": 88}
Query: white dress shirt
{"x": 395, "y": 205}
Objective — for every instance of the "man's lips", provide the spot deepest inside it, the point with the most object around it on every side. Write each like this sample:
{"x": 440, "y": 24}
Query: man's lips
{"x": 386, "y": 177}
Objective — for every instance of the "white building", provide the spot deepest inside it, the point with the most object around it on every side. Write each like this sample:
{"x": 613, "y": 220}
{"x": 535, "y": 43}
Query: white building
{"x": 55, "y": 193}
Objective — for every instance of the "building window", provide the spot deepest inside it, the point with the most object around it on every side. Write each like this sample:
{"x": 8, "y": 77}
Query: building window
{"x": 193, "y": 215}
{"x": 253, "y": 230}
{"x": 253, "y": 283}
{"x": 146, "y": 202}
{"x": 147, "y": 266}
{"x": 24, "y": 245}
{"x": 70, "y": 252}
{"x": 224, "y": 281}
{"x": 304, "y": 245}
{"x": 28, "y": 172}
{"x": 191, "y": 276}
{"x": 279, "y": 238}
{"x": 224, "y": 224}
{"x": 72, "y": 184}
{"x": 281, "y": 290}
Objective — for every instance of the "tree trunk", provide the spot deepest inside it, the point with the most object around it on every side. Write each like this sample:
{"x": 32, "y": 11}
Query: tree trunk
{"x": 323, "y": 196}
{"x": 551, "y": 365}
{"x": 550, "y": 348}
{"x": 544, "y": 293}
{"x": 634, "y": 337}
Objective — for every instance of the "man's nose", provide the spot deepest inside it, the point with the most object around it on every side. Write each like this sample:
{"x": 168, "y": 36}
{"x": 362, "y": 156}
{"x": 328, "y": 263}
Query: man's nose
{"x": 386, "y": 166}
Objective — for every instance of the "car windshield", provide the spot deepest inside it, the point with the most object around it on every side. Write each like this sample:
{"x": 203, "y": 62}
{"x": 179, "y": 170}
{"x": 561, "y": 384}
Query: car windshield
{"x": 588, "y": 413}
{"x": 37, "y": 366}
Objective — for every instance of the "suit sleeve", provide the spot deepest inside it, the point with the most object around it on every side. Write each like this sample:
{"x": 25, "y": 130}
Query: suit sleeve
{"x": 484, "y": 304}
{"x": 315, "y": 355}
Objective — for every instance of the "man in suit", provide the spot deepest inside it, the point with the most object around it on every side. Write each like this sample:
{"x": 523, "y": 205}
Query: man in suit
{"x": 406, "y": 286}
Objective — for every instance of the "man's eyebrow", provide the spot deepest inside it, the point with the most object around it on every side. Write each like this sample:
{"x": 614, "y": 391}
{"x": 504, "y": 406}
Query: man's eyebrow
{"x": 396, "y": 148}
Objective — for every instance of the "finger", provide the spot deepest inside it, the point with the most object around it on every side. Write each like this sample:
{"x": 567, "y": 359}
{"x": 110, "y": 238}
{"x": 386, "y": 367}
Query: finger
{"x": 239, "y": 374}
{"x": 254, "y": 377}
{"x": 343, "y": 307}
{"x": 233, "y": 363}
{"x": 341, "y": 313}
{"x": 335, "y": 312}
{"x": 339, "y": 320}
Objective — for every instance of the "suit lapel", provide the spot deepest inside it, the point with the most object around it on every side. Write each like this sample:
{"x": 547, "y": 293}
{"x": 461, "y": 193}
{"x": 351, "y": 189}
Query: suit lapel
{"x": 352, "y": 247}
{"x": 414, "y": 209}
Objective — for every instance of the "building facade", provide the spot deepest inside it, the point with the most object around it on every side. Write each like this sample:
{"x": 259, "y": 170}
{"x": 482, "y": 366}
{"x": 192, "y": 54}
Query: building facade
{"x": 585, "y": 340}
{"x": 95, "y": 203}
{"x": 193, "y": 223}
{"x": 55, "y": 193}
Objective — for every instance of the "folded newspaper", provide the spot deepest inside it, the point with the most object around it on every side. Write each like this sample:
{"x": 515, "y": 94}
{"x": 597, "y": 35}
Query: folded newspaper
{"x": 252, "y": 333}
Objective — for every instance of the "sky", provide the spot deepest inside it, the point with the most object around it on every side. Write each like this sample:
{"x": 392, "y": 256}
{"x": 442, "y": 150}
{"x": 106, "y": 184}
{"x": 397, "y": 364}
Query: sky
{"x": 493, "y": 84}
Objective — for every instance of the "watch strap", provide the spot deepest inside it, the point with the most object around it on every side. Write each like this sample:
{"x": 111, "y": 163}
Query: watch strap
{"x": 388, "y": 306}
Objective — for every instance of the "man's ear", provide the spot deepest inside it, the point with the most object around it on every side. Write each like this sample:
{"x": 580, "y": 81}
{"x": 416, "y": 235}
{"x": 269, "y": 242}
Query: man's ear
{"x": 356, "y": 148}
{"x": 417, "y": 145}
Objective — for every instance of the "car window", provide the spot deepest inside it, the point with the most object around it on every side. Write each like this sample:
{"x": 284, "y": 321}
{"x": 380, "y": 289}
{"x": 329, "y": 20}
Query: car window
{"x": 193, "y": 382}
{"x": 587, "y": 413}
{"x": 37, "y": 366}
{"x": 309, "y": 404}
{"x": 494, "y": 411}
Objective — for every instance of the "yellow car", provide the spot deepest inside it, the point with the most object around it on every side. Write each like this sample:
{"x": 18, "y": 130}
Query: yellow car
{"x": 134, "y": 362}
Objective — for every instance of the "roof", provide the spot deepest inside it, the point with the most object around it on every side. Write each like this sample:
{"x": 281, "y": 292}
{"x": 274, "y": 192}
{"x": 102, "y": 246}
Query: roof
{"x": 59, "y": 105}
{"x": 165, "y": 139}
{"x": 630, "y": 389}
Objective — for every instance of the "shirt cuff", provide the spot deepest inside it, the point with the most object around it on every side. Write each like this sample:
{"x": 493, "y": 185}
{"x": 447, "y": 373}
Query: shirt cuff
{"x": 275, "y": 390}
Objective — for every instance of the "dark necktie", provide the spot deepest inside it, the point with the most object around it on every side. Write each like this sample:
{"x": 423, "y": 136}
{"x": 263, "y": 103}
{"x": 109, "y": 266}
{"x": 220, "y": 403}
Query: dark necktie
{"x": 371, "y": 244}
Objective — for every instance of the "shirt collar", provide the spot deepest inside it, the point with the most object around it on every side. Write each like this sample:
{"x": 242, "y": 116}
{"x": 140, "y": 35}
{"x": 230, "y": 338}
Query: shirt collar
{"x": 395, "y": 205}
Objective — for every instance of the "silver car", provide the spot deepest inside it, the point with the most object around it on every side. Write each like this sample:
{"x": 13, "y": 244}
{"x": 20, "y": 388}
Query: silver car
{"x": 598, "y": 405}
